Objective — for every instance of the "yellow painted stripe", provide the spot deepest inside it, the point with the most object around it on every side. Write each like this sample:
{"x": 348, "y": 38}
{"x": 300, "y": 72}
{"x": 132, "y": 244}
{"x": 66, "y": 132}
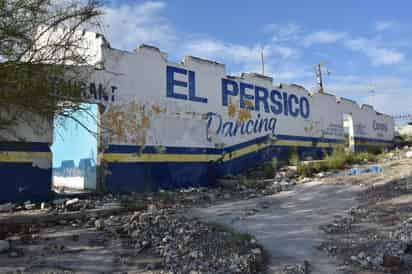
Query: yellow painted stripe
{"x": 159, "y": 157}
{"x": 244, "y": 151}
{"x": 22, "y": 156}
{"x": 293, "y": 143}
{"x": 304, "y": 144}
{"x": 372, "y": 144}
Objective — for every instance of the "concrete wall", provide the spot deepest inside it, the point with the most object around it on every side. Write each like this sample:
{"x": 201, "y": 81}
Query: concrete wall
{"x": 167, "y": 125}
{"x": 25, "y": 160}
{"x": 183, "y": 124}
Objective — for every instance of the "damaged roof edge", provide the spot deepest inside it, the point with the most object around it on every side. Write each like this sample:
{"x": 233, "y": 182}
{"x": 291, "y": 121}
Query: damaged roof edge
{"x": 242, "y": 76}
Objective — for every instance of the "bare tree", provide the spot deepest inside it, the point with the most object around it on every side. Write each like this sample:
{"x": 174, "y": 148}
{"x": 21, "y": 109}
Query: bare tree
{"x": 44, "y": 61}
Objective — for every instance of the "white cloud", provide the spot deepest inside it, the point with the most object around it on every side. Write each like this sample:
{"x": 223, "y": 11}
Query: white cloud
{"x": 212, "y": 49}
{"x": 283, "y": 51}
{"x": 283, "y": 33}
{"x": 377, "y": 55}
{"x": 129, "y": 25}
{"x": 384, "y": 25}
{"x": 388, "y": 94}
{"x": 399, "y": 102}
{"x": 323, "y": 37}
{"x": 247, "y": 56}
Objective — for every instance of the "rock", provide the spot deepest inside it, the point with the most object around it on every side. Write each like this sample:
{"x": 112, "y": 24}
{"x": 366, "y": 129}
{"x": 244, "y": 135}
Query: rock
{"x": 59, "y": 203}
{"x": 29, "y": 205}
{"x": 99, "y": 224}
{"x": 391, "y": 261}
{"x": 320, "y": 175}
{"x": 4, "y": 246}
{"x": 135, "y": 233}
{"x": 377, "y": 261}
{"x": 406, "y": 260}
{"x": 285, "y": 185}
{"x": 256, "y": 251}
{"x": 408, "y": 154}
{"x": 195, "y": 254}
{"x": 152, "y": 208}
{"x": 9, "y": 207}
{"x": 16, "y": 254}
{"x": 361, "y": 255}
{"x": 43, "y": 206}
{"x": 72, "y": 202}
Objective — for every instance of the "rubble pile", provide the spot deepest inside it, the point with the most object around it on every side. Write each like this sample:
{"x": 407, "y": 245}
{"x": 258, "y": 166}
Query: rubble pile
{"x": 183, "y": 244}
{"x": 250, "y": 185}
{"x": 397, "y": 154}
{"x": 369, "y": 249}
{"x": 186, "y": 245}
{"x": 303, "y": 268}
{"x": 377, "y": 234}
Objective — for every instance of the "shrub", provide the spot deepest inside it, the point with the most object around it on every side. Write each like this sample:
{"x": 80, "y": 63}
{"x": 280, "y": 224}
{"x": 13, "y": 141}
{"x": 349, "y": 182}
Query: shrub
{"x": 269, "y": 168}
{"x": 339, "y": 159}
{"x": 293, "y": 156}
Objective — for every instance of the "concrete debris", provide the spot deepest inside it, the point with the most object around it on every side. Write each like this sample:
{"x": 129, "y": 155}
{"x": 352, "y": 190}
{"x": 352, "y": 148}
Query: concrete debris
{"x": 158, "y": 225}
{"x": 99, "y": 224}
{"x": 377, "y": 234}
{"x": 72, "y": 202}
{"x": 28, "y": 205}
{"x": 188, "y": 245}
{"x": 303, "y": 268}
{"x": 4, "y": 246}
{"x": 9, "y": 207}
{"x": 185, "y": 245}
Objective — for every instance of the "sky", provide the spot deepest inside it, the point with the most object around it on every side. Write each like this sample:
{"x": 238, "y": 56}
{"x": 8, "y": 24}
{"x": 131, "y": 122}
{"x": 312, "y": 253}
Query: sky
{"x": 366, "y": 46}
{"x": 73, "y": 142}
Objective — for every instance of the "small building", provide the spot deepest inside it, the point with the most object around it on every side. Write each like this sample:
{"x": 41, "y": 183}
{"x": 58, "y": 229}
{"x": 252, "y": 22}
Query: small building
{"x": 405, "y": 130}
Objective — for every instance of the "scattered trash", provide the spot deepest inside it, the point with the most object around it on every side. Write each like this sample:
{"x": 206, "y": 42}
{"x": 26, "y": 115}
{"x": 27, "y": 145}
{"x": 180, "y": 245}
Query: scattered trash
{"x": 371, "y": 169}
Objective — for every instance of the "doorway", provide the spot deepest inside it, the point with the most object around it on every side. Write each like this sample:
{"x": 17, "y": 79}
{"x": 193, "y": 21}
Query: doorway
{"x": 75, "y": 149}
{"x": 348, "y": 131}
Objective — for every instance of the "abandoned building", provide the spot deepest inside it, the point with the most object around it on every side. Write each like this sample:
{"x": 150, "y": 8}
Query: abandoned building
{"x": 171, "y": 125}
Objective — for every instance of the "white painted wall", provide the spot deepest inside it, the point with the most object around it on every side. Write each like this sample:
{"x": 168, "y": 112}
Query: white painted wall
{"x": 140, "y": 79}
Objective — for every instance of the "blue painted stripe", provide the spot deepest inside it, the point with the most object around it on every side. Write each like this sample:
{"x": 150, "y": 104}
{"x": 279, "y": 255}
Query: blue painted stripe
{"x": 308, "y": 139}
{"x": 200, "y": 150}
{"x": 22, "y": 182}
{"x": 160, "y": 149}
{"x": 141, "y": 177}
{"x": 146, "y": 177}
{"x": 363, "y": 139}
{"x": 25, "y": 146}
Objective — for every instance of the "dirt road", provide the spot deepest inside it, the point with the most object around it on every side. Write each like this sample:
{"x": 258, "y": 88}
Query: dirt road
{"x": 287, "y": 224}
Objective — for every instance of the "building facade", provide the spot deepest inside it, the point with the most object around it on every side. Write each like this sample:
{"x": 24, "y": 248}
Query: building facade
{"x": 170, "y": 125}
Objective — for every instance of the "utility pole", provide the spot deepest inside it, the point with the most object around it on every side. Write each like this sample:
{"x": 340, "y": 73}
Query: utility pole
{"x": 318, "y": 70}
{"x": 262, "y": 61}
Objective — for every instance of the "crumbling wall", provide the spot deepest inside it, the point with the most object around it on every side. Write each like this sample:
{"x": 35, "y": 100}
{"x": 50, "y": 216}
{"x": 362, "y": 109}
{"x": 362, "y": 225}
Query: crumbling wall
{"x": 25, "y": 160}
{"x": 182, "y": 124}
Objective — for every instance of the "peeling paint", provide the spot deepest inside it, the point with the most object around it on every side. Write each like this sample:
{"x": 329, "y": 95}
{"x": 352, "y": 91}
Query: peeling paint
{"x": 42, "y": 163}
